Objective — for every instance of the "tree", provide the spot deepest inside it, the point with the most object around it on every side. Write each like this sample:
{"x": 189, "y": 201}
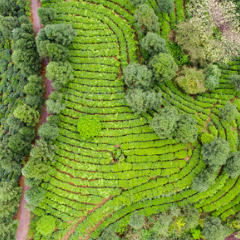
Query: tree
{"x": 163, "y": 66}
{"x": 35, "y": 79}
{"x": 146, "y": 19}
{"x": 137, "y": 3}
{"x": 18, "y": 145}
{"x": 206, "y": 137}
{"x": 33, "y": 89}
{"x": 46, "y": 15}
{"x": 140, "y": 101}
{"x": 53, "y": 119}
{"x": 7, "y": 7}
{"x": 7, "y": 24}
{"x": 216, "y": 152}
{"x": 14, "y": 123}
{"x": 60, "y": 73}
{"x": 191, "y": 80}
{"x": 186, "y": 129}
{"x": 60, "y": 33}
{"x": 27, "y": 133}
{"x": 26, "y": 114}
{"x": 54, "y": 103}
{"x": 8, "y": 228}
{"x": 136, "y": 220}
{"x": 154, "y": 44}
{"x": 137, "y": 76}
{"x": 24, "y": 19}
{"x": 34, "y": 101}
{"x": 164, "y": 122}
{"x": 212, "y": 76}
{"x": 34, "y": 196}
{"x": 213, "y": 229}
{"x": 109, "y": 234}
{"x": 205, "y": 179}
{"x": 190, "y": 217}
{"x": 46, "y": 225}
{"x": 235, "y": 80}
{"x": 166, "y": 6}
{"x": 48, "y": 131}
{"x": 229, "y": 112}
{"x": 232, "y": 166}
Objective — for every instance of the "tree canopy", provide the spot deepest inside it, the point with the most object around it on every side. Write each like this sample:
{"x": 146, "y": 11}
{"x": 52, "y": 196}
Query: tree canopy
{"x": 46, "y": 15}
{"x": 212, "y": 76}
{"x": 165, "y": 6}
{"x": 229, "y": 112}
{"x": 136, "y": 220}
{"x": 232, "y": 166}
{"x": 235, "y": 80}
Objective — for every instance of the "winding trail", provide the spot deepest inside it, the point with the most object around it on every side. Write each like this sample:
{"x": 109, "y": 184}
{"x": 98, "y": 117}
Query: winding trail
{"x": 23, "y": 214}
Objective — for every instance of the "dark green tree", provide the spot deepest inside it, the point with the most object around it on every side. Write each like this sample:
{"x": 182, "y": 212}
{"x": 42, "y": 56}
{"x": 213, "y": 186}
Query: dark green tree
{"x": 163, "y": 66}
{"x": 164, "y": 122}
{"x": 212, "y": 76}
{"x": 137, "y": 3}
{"x": 232, "y": 166}
{"x": 146, "y": 19}
{"x": 165, "y": 6}
{"x": 48, "y": 131}
{"x": 54, "y": 103}
{"x": 136, "y": 220}
{"x": 140, "y": 101}
{"x": 33, "y": 89}
{"x": 137, "y": 76}
{"x": 109, "y": 234}
{"x": 53, "y": 119}
{"x": 24, "y": 19}
{"x": 190, "y": 217}
{"x": 46, "y": 15}
{"x": 7, "y": 24}
{"x": 186, "y": 129}
{"x": 216, "y": 152}
{"x": 27, "y": 133}
{"x": 213, "y": 229}
{"x": 34, "y": 196}
{"x": 154, "y": 44}
{"x": 34, "y": 101}
{"x": 18, "y": 145}
{"x": 7, "y": 7}
{"x": 229, "y": 112}
{"x": 235, "y": 80}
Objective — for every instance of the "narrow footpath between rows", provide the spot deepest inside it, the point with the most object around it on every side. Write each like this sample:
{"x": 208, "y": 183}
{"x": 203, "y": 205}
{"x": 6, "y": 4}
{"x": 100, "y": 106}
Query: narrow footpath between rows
{"x": 23, "y": 214}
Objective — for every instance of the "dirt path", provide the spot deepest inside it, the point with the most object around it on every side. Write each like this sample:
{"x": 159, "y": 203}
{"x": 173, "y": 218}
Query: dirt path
{"x": 23, "y": 214}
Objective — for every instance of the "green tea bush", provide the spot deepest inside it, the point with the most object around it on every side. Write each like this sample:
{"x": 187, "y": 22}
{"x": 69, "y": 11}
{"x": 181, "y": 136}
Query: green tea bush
{"x": 192, "y": 80}
{"x": 46, "y": 225}
{"x": 163, "y": 66}
{"x": 154, "y": 44}
{"x": 206, "y": 138}
{"x": 89, "y": 126}
{"x": 229, "y": 112}
{"x": 232, "y": 166}
{"x": 146, "y": 19}
{"x": 136, "y": 220}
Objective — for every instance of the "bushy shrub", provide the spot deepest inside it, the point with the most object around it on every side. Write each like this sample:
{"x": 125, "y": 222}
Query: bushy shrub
{"x": 229, "y": 112}
{"x": 136, "y": 75}
{"x": 26, "y": 114}
{"x": 137, "y": 3}
{"x": 190, "y": 216}
{"x": 46, "y": 225}
{"x": 146, "y": 19}
{"x": 164, "y": 122}
{"x": 192, "y": 80}
{"x": 54, "y": 103}
{"x": 216, "y": 152}
{"x": 154, "y": 44}
{"x": 232, "y": 166}
{"x": 33, "y": 197}
{"x": 166, "y": 6}
{"x": 89, "y": 126}
{"x": 212, "y": 76}
{"x": 213, "y": 229}
{"x": 163, "y": 66}
{"x": 60, "y": 73}
{"x": 140, "y": 100}
{"x": 235, "y": 80}
{"x": 136, "y": 220}
{"x": 48, "y": 131}
{"x": 46, "y": 15}
{"x": 206, "y": 137}
{"x": 186, "y": 129}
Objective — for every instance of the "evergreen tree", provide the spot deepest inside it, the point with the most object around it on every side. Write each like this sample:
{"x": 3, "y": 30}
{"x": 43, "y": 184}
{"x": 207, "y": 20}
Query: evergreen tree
{"x": 229, "y": 112}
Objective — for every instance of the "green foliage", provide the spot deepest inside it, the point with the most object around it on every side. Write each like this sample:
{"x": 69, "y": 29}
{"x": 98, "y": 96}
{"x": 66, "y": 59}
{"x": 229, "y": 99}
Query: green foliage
{"x": 154, "y": 44}
{"x": 60, "y": 73}
{"x": 54, "y": 103}
{"x": 216, "y": 152}
{"x": 163, "y": 66}
{"x": 140, "y": 100}
{"x": 26, "y": 114}
{"x": 48, "y": 131}
{"x": 229, "y": 112}
{"x": 166, "y": 6}
{"x": 235, "y": 80}
{"x": 109, "y": 234}
{"x": 33, "y": 89}
{"x": 190, "y": 217}
{"x": 46, "y": 225}
{"x": 213, "y": 229}
{"x": 136, "y": 220}
{"x": 53, "y": 119}
{"x": 164, "y": 122}
{"x": 137, "y": 76}
{"x": 192, "y": 80}
{"x": 60, "y": 33}
{"x": 46, "y": 15}
{"x": 212, "y": 76}
{"x": 89, "y": 126}
{"x": 206, "y": 138}
{"x": 27, "y": 133}
{"x": 196, "y": 233}
{"x": 137, "y": 3}
{"x": 7, "y": 7}
{"x": 232, "y": 166}
{"x": 146, "y": 19}
{"x": 33, "y": 197}
{"x": 7, "y": 24}
{"x": 186, "y": 129}
{"x": 18, "y": 144}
